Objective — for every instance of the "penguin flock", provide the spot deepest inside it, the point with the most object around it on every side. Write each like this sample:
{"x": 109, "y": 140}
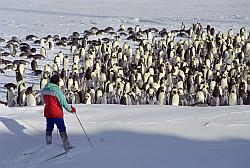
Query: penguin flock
{"x": 194, "y": 66}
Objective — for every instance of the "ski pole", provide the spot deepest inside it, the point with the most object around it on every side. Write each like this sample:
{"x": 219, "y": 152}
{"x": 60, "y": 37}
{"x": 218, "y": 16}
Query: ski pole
{"x": 84, "y": 131}
{"x": 57, "y": 134}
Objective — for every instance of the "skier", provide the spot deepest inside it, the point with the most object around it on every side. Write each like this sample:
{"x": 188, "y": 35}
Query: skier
{"x": 54, "y": 100}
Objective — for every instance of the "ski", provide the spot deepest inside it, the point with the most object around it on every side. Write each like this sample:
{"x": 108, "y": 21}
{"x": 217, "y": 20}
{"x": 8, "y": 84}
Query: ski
{"x": 60, "y": 154}
{"x": 31, "y": 153}
{"x": 53, "y": 157}
{"x": 34, "y": 152}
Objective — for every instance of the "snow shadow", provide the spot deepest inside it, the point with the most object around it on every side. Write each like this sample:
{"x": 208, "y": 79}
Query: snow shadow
{"x": 48, "y": 12}
{"x": 126, "y": 149}
{"x": 13, "y": 126}
{"x": 139, "y": 150}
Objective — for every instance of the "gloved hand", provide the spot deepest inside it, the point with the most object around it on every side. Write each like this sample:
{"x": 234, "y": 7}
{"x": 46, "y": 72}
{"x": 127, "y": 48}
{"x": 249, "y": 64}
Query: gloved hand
{"x": 73, "y": 109}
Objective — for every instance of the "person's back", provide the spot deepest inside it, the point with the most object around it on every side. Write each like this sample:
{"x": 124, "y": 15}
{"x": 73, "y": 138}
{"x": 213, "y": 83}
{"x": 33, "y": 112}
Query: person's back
{"x": 54, "y": 100}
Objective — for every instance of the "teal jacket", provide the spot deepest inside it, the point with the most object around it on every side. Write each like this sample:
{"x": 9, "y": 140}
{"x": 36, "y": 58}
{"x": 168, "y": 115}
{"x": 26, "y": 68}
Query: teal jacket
{"x": 54, "y": 100}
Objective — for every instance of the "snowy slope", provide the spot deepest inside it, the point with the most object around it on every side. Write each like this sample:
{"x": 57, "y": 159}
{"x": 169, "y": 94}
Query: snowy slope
{"x": 125, "y": 136}
{"x": 131, "y": 136}
{"x": 63, "y": 16}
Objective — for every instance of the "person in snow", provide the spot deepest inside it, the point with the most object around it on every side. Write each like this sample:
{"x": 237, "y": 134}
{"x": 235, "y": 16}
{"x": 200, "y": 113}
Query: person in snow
{"x": 55, "y": 101}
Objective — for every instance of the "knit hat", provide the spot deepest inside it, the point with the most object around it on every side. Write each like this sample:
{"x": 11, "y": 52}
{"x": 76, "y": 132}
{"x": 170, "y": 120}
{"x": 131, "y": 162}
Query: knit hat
{"x": 55, "y": 79}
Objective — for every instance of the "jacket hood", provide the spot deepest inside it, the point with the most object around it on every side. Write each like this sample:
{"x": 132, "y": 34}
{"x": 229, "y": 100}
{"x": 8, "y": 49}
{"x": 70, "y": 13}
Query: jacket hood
{"x": 51, "y": 85}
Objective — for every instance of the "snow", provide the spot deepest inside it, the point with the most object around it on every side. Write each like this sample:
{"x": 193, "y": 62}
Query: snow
{"x": 63, "y": 17}
{"x": 131, "y": 136}
{"x": 124, "y": 136}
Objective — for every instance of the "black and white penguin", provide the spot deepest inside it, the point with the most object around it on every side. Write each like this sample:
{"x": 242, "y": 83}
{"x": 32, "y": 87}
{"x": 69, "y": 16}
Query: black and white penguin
{"x": 43, "y": 82}
{"x": 98, "y": 96}
{"x": 77, "y": 98}
{"x": 69, "y": 83}
{"x": 64, "y": 75}
{"x": 19, "y": 76}
{"x": 42, "y": 42}
{"x": 73, "y": 97}
{"x": 161, "y": 96}
{"x": 30, "y": 97}
{"x": 10, "y": 97}
{"x": 34, "y": 64}
{"x": 61, "y": 56}
{"x": 57, "y": 60}
{"x": 51, "y": 43}
{"x": 47, "y": 69}
{"x": 242, "y": 92}
{"x": 87, "y": 98}
{"x": 124, "y": 99}
{"x": 175, "y": 97}
{"x": 21, "y": 96}
{"x": 43, "y": 51}
{"x": 66, "y": 62}
{"x": 55, "y": 67}
{"x": 200, "y": 97}
{"x": 61, "y": 84}
{"x": 233, "y": 98}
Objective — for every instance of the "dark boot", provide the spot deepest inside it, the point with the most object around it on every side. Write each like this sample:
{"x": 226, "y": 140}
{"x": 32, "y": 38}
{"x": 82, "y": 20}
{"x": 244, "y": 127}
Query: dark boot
{"x": 65, "y": 141}
{"x": 48, "y": 137}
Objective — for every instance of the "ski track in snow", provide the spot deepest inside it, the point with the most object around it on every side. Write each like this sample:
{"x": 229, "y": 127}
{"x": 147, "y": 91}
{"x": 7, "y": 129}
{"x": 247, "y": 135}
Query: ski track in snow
{"x": 193, "y": 124}
{"x": 37, "y": 157}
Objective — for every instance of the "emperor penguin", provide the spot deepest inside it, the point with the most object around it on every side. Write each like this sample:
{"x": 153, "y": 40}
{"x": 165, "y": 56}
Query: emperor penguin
{"x": 51, "y": 43}
{"x": 42, "y": 42}
{"x": 30, "y": 97}
{"x": 75, "y": 86}
{"x": 13, "y": 50}
{"x": 122, "y": 28}
{"x": 74, "y": 97}
{"x": 21, "y": 69}
{"x": 98, "y": 96}
{"x": 73, "y": 49}
{"x": 21, "y": 96}
{"x": 61, "y": 56}
{"x": 233, "y": 98}
{"x": 61, "y": 83}
{"x": 175, "y": 98}
{"x": 82, "y": 54}
{"x": 64, "y": 74}
{"x": 43, "y": 82}
{"x": 224, "y": 82}
{"x": 11, "y": 97}
{"x": 34, "y": 64}
{"x": 43, "y": 51}
{"x": 87, "y": 98}
{"x": 76, "y": 58}
{"x": 55, "y": 67}
{"x": 161, "y": 96}
{"x": 19, "y": 76}
{"x": 66, "y": 62}
{"x": 69, "y": 83}
{"x": 47, "y": 68}
{"x": 124, "y": 99}
{"x": 57, "y": 60}
{"x": 71, "y": 97}
{"x": 200, "y": 97}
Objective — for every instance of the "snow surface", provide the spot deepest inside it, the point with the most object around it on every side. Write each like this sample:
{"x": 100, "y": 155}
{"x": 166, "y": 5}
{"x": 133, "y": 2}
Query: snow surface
{"x": 125, "y": 136}
{"x": 63, "y": 16}
{"x": 131, "y": 136}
